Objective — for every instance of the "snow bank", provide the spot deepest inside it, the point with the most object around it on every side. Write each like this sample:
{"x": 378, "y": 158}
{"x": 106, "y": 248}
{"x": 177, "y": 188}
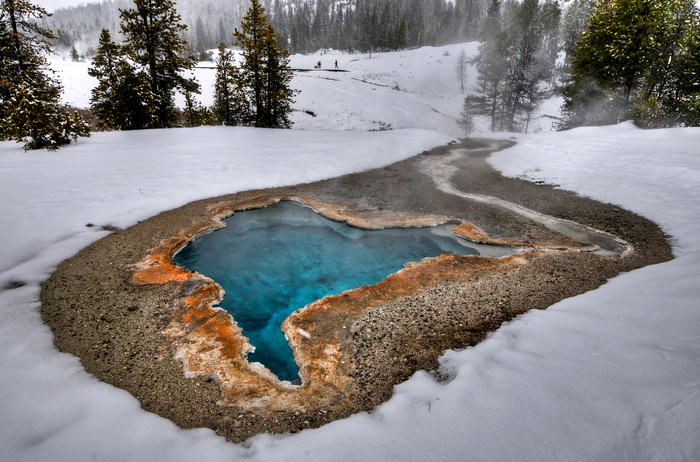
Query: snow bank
{"x": 50, "y": 409}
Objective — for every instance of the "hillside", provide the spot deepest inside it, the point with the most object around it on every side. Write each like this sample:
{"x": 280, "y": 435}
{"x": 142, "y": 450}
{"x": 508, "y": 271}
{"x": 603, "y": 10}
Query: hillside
{"x": 393, "y": 90}
{"x": 306, "y": 26}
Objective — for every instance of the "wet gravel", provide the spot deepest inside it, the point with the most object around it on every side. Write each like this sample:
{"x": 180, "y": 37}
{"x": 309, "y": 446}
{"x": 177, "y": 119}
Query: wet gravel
{"x": 114, "y": 327}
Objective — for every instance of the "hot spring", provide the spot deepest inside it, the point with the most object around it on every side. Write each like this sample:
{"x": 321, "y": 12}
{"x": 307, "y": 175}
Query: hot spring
{"x": 275, "y": 260}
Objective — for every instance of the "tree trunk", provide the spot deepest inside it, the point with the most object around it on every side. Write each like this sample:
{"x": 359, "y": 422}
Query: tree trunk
{"x": 15, "y": 34}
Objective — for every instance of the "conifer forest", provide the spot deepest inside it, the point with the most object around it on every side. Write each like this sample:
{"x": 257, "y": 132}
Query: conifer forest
{"x": 610, "y": 60}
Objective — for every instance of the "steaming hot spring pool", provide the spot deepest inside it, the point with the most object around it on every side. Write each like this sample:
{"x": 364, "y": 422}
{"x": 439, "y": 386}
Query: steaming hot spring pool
{"x": 275, "y": 260}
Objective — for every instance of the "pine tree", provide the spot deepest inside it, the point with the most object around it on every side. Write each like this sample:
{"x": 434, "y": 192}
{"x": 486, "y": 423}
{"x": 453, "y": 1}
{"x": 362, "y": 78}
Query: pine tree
{"x": 265, "y": 72}
{"x": 153, "y": 43}
{"x": 195, "y": 114}
{"x": 575, "y": 22}
{"x": 670, "y": 92}
{"x": 492, "y": 22}
{"x": 231, "y": 106}
{"x": 619, "y": 44}
{"x": 251, "y": 39}
{"x": 636, "y": 60}
{"x": 526, "y": 77}
{"x": 119, "y": 99}
{"x": 527, "y": 72}
{"x": 74, "y": 56}
{"x": 549, "y": 19}
{"x": 461, "y": 69}
{"x": 30, "y": 109}
{"x": 402, "y": 34}
{"x": 470, "y": 108}
{"x": 279, "y": 94}
{"x": 493, "y": 64}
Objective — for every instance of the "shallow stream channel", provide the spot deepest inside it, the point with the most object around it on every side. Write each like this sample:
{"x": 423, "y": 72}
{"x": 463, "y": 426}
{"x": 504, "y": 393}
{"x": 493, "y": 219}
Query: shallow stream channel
{"x": 274, "y": 260}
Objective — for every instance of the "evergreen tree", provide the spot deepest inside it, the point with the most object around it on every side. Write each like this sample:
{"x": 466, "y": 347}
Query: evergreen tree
{"x": 153, "y": 43}
{"x": 231, "y": 106}
{"x": 265, "y": 73}
{"x": 30, "y": 110}
{"x": 279, "y": 95}
{"x": 470, "y": 108}
{"x": 194, "y": 114}
{"x": 549, "y": 19}
{"x": 575, "y": 22}
{"x": 105, "y": 69}
{"x": 636, "y": 60}
{"x": 670, "y": 92}
{"x": 201, "y": 36}
{"x": 619, "y": 44}
{"x": 461, "y": 69}
{"x": 493, "y": 64}
{"x": 526, "y": 76}
{"x": 527, "y": 71}
{"x": 74, "y": 56}
{"x": 402, "y": 34}
{"x": 492, "y": 22}
{"x": 119, "y": 99}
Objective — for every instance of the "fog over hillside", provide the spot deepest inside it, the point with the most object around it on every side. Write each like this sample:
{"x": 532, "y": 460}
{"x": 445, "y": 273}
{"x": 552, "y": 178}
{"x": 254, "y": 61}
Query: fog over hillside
{"x": 81, "y": 25}
{"x": 307, "y": 26}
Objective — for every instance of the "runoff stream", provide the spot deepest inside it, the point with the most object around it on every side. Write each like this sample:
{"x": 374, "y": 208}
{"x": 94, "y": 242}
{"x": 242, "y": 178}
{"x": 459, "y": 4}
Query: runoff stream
{"x": 275, "y": 260}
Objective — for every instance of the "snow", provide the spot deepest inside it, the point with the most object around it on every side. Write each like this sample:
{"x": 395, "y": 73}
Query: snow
{"x": 610, "y": 375}
{"x": 405, "y": 89}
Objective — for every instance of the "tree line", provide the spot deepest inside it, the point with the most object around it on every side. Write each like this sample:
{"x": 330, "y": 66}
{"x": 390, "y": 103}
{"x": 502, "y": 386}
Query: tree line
{"x": 639, "y": 60}
{"x": 376, "y": 25}
{"x": 611, "y": 60}
{"x": 304, "y": 26}
{"x": 138, "y": 78}
{"x": 516, "y": 63}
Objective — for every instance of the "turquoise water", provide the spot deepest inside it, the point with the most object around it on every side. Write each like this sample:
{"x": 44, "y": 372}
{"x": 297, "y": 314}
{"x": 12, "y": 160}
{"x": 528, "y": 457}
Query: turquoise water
{"x": 275, "y": 260}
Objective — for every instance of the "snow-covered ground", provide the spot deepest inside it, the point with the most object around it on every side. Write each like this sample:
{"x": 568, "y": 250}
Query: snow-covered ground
{"x": 611, "y": 375}
{"x": 405, "y": 89}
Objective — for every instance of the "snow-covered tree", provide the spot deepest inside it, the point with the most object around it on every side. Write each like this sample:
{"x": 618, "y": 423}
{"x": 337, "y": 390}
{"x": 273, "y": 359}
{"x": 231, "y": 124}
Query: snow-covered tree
{"x": 30, "y": 109}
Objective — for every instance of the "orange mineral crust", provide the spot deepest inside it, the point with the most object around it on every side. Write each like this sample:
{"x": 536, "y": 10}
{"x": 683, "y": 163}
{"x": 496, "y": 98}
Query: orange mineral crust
{"x": 158, "y": 267}
{"x": 211, "y": 345}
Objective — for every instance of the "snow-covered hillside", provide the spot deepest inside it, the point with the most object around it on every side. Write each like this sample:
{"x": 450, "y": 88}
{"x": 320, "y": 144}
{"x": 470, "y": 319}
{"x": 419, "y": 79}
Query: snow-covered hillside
{"x": 406, "y": 89}
{"x": 611, "y": 375}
